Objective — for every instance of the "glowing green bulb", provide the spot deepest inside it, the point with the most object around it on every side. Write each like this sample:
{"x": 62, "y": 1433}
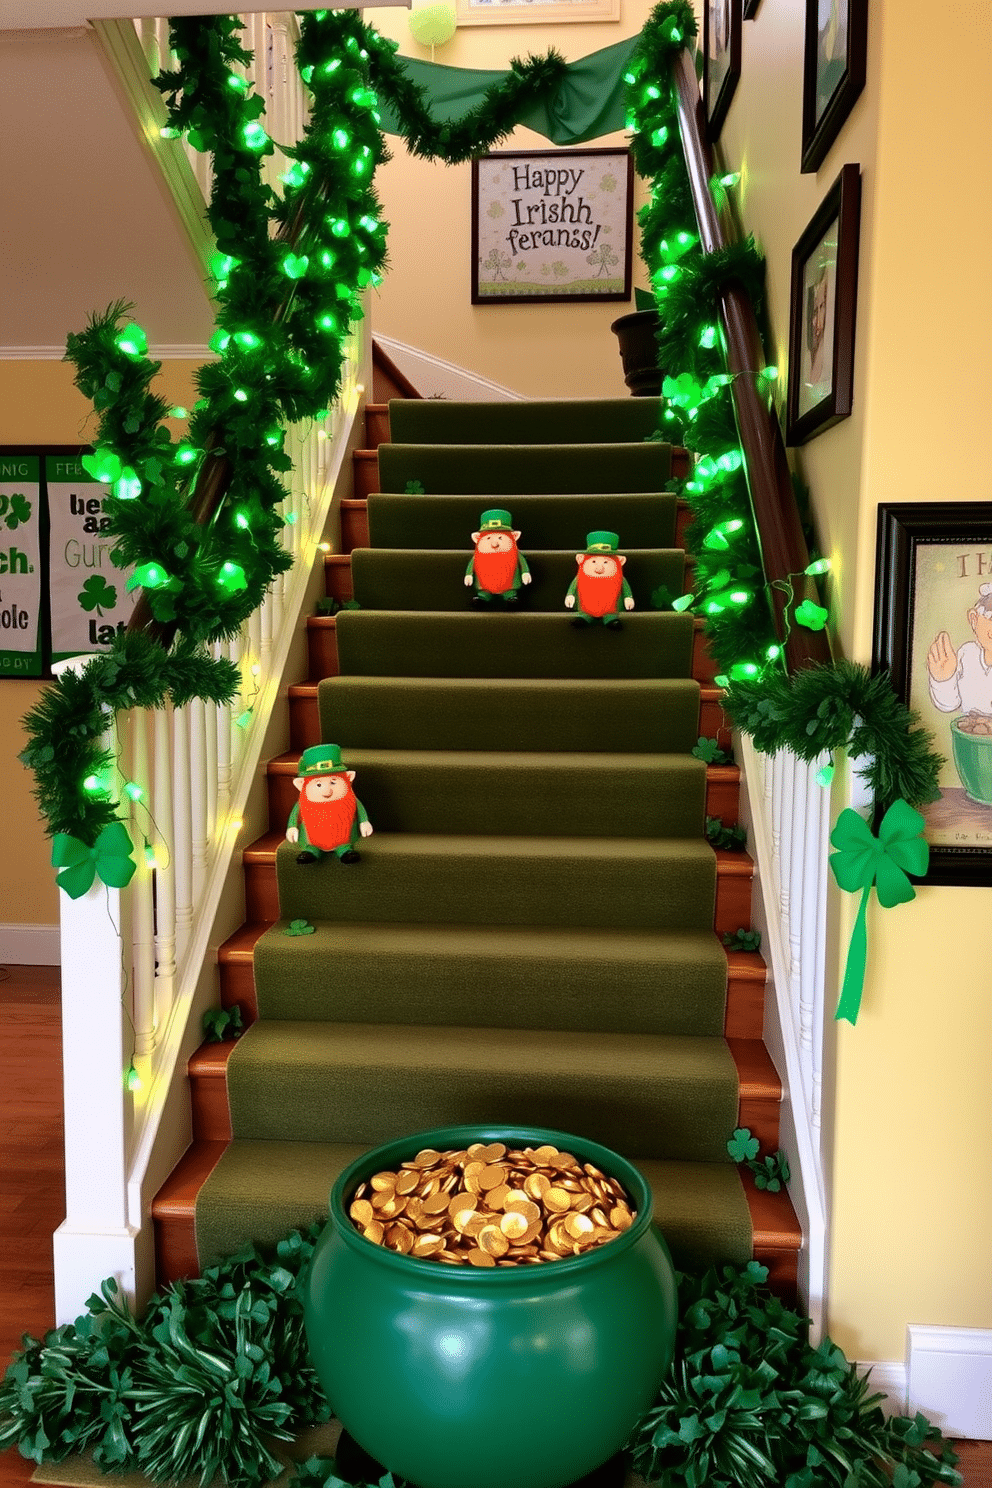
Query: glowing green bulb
{"x": 659, "y": 136}
{"x": 240, "y": 395}
{"x": 740, "y": 596}
{"x": 812, "y": 616}
{"x": 651, "y": 92}
{"x": 741, "y": 671}
{"x": 629, "y": 78}
{"x": 297, "y": 173}
{"x": 132, "y": 1080}
{"x": 340, "y": 228}
{"x": 148, "y": 576}
{"x": 770, "y": 373}
{"x": 331, "y": 66}
{"x": 340, "y": 139}
{"x": 133, "y": 791}
{"x": 342, "y": 291}
{"x": 359, "y": 167}
{"x": 327, "y": 322}
{"x": 232, "y": 577}
{"x": 237, "y": 83}
{"x": 93, "y": 784}
{"x": 732, "y": 460}
{"x": 730, "y": 179}
{"x": 773, "y": 653}
{"x": 240, "y": 520}
{"x": 290, "y": 519}
{"x": 707, "y": 337}
{"x": 274, "y": 437}
{"x": 248, "y": 340}
{"x": 179, "y": 412}
{"x": 722, "y": 680}
{"x": 370, "y": 224}
{"x": 150, "y": 861}
{"x": 185, "y": 454}
{"x": 684, "y": 239}
{"x": 825, "y": 775}
{"x": 132, "y": 341}
{"x": 670, "y": 272}
{"x": 327, "y": 258}
{"x": 129, "y": 486}
{"x": 219, "y": 341}
{"x": 821, "y": 566}
{"x": 295, "y": 265}
{"x": 243, "y": 719}
{"x": 306, "y": 73}
{"x": 254, "y": 135}
{"x": 683, "y": 602}
{"x": 167, "y": 132}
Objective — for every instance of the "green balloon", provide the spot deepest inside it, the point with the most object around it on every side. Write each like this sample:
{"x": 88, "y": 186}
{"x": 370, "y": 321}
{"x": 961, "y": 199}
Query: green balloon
{"x": 433, "y": 25}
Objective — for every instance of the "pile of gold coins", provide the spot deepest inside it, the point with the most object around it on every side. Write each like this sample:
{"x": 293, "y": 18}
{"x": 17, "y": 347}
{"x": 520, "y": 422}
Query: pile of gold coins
{"x": 490, "y": 1205}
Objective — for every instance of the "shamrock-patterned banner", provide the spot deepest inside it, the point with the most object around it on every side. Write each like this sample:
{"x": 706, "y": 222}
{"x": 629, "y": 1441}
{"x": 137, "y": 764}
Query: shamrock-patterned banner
{"x": 863, "y": 860}
{"x": 21, "y": 587}
{"x": 108, "y": 859}
{"x": 89, "y": 598}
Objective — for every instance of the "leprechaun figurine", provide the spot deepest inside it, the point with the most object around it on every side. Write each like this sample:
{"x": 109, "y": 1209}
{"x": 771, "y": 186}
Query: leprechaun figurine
{"x": 497, "y": 567}
{"x": 598, "y": 587}
{"x": 328, "y": 817}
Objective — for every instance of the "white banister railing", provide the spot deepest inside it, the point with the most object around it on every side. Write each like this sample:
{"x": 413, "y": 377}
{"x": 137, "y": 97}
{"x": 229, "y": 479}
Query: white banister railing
{"x": 788, "y": 815}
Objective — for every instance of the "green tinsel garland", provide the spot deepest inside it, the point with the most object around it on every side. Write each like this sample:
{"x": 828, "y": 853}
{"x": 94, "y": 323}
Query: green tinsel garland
{"x": 218, "y": 1366}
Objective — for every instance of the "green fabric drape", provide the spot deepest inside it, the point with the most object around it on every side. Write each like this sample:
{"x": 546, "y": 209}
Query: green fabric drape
{"x": 590, "y": 103}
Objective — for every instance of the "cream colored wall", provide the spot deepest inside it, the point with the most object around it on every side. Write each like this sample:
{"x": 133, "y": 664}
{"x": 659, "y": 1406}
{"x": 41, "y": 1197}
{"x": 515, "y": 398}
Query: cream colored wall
{"x": 554, "y": 350}
{"x": 912, "y": 1183}
{"x": 41, "y": 406}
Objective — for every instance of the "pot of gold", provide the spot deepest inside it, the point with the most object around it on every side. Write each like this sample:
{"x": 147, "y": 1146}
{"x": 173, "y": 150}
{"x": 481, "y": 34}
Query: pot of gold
{"x": 491, "y": 1305}
{"x": 971, "y": 744}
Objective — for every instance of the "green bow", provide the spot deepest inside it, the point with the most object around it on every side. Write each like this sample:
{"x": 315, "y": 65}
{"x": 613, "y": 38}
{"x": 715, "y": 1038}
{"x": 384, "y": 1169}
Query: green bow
{"x": 110, "y": 857}
{"x": 862, "y": 859}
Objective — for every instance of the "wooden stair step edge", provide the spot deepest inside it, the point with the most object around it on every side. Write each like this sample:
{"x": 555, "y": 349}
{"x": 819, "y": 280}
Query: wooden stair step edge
{"x": 376, "y": 424}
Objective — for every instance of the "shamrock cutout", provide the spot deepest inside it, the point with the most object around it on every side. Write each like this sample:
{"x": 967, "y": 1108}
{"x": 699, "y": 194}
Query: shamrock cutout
{"x": 813, "y": 616}
{"x": 861, "y": 860}
{"x": 20, "y": 511}
{"x": 97, "y": 595}
{"x": 109, "y": 859}
{"x": 684, "y": 390}
{"x": 103, "y": 465}
{"x": 710, "y": 751}
{"x": 414, "y": 488}
{"x": 742, "y": 1146}
{"x": 299, "y": 927}
{"x": 295, "y": 265}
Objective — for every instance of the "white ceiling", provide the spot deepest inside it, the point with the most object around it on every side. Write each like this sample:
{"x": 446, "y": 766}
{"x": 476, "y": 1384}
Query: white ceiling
{"x": 23, "y": 15}
{"x": 86, "y": 217}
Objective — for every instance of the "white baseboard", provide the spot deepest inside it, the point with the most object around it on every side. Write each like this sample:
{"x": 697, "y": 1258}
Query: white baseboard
{"x": 949, "y": 1379}
{"x": 888, "y": 1378}
{"x": 30, "y": 945}
{"x": 434, "y": 378}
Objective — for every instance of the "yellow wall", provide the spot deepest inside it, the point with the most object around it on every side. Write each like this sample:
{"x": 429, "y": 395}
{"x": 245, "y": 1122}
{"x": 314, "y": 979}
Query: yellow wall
{"x": 425, "y": 299}
{"x": 911, "y": 1177}
{"x": 41, "y": 406}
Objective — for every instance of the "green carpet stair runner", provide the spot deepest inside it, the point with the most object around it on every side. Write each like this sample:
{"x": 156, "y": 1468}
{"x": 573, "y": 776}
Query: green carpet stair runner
{"x": 529, "y": 935}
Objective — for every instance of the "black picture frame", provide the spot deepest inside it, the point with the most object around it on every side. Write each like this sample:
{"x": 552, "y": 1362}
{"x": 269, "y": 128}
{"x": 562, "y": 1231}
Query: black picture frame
{"x": 823, "y": 312}
{"x": 931, "y": 560}
{"x": 538, "y": 214}
{"x": 721, "y": 60}
{"x": 835, "y": 60}
{"x": 751, "y": 9}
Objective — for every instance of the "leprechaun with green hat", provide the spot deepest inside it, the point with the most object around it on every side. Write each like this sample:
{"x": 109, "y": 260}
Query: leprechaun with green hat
{"x": 599, "y": 586}
{"x": 328, "y": 817}
{"x": 497, "y": 567}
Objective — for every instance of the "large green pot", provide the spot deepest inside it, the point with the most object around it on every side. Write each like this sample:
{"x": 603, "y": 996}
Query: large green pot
{"x": 973, "y": 757}
{"x": 461, "y": 1378}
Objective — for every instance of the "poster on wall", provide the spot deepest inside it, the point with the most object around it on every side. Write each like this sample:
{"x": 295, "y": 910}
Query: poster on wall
{"x": 551, "y": 225}
{"x": 21, "y": 567}
{"x": 89, "y": 600}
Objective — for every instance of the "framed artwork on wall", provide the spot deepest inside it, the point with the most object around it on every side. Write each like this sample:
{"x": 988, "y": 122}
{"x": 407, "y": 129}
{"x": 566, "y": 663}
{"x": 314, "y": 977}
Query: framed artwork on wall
{"x": 533, "y": 12}
{"x": 721, "y": 60}
{"x": 834, "y": 70}
{"x": 933, "y": 635}
{"x": 822, "y": 312}
{"x": 551, "y": 225}
{"x": 751, "y": 9}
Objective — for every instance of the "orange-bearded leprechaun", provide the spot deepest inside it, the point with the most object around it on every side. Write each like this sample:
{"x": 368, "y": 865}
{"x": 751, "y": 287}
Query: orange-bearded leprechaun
{"x": 328, "y": 817}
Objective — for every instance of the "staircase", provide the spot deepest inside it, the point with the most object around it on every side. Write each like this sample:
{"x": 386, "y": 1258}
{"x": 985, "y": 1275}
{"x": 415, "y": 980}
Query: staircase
{"x": 532, "y": 935}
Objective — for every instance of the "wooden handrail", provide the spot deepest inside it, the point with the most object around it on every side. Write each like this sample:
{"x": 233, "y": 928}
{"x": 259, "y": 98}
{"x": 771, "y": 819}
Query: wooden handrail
{"x": 773, "y": 503}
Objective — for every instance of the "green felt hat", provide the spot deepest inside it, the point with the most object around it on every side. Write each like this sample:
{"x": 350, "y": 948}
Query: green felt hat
{"x": 321, "y": 759}
{"x": 496, "y": 520}
{"x": 602, "y": 542}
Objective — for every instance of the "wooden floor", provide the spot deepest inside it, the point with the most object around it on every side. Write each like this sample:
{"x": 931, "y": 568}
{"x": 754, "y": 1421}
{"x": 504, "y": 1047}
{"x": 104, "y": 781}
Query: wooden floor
{"x": 32, "y": 1180}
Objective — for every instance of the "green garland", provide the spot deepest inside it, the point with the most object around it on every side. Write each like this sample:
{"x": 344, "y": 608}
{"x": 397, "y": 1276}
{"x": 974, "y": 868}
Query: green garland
{"x": 218, "y": 1367}
{"x": 823, "y": 708}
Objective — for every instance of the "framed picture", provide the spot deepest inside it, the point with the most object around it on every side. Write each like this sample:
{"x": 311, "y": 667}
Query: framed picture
{"x": 551, "y": 225}
{"x": 751, "y": 9}
{"x": 834, "y": 66}
{"x": 721, "y": 60}
{"x": 822, "y": 312}
{"x": 933, "y": 634}
{"x": 533, "y": 12}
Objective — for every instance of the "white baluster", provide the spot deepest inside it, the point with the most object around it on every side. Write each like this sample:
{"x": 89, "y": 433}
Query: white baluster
{"x": 265, "y": 633}
{"x": 788, "y": 764}
{"x": 223, "y": 734}
{"x": 210, "y": 773}
{"x": 818, "y": 937}
{"x": 142, "y": 916}
{"x": 198, "y": 793}
{"x": 182, "y": 851}
{"x": 165, "y": 868}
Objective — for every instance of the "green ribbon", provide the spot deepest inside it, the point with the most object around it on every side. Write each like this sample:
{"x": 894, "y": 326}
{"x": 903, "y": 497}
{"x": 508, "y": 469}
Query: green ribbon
{"x": 861, "y": 860}
{"x": 109, "y": 858}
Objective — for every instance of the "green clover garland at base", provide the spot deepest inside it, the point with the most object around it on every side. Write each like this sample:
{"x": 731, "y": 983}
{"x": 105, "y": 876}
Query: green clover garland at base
{"x": 863, "y": 860}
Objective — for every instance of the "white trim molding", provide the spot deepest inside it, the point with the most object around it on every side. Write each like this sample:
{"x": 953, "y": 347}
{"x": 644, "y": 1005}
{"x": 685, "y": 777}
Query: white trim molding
{"x": 888, "y": 1379}
{"x": 30, "y": 945}
{"x": 435, "y": 378}
{"x": 949, "y": 1379}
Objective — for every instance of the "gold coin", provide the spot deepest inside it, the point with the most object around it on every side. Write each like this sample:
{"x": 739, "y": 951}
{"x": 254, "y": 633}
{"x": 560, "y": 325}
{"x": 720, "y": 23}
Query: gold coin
{"x": 426, "y": 1158}
{"x": 398, "y": 1238}
{"x": 491, "y": 1177}
{"x": 374, "y": 1232}
{"x": 514, "y": 1225}
{"x": 557, "y": 1200}
{"x": 582, "y": 1203}
{"x": 536, "y": 1185}
{"x": 475, "y": 1226}
{"x": 545, "y": 1154}
{"x": 391, "y": 1207}
{"x": 493, "y": 1241}
{"x": 480, "y": 1258}
{"x": 383, "y": 1181}
{"x": 592, "y": 1170}
{"x": 462, "y": 1219}
{"x": 599, "y": 1218}
{"x": 571, "y": 1185}
{"x": 497, "y": 1197}
{"x": 361, "y": 1212}
{"x": 578, "y": 1225}
{"x": 530, "y": 1212}
{"x": 462, "y": 1200}
{"x": 407, "y": 1182}
{"x": 436, "y": 1203}
{"x": 427, "y": 1245}
{"x": 621, "y": 1217}
{"x": 493, "y": 1153}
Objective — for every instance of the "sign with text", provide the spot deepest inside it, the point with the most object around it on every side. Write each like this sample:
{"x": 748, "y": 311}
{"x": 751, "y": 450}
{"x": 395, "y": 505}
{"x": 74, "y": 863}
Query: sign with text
{"x": 89, "y": 601}
{"x": 21, "y": 569}
{"x": 551, "y": 226}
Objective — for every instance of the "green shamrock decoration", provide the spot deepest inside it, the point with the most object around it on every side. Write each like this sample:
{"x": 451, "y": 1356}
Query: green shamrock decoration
{"x": 223, "y": 1023}
{"x": 103, "y": 465}
{"x": 813, "y": 616}
{"x": 861, "y": 860}
{"x": 295, "y": 265}
{"x": 299, "y": 927}
{"x": 742, "y": 1146}
{"x": 97, "y": 595}
{"x": 109, "y": 859}
{"x": 20, "y": 511}
{"x": 414, "y": 488}
{"x": 743, "y": 940}
{"x": 710, "y": 751}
